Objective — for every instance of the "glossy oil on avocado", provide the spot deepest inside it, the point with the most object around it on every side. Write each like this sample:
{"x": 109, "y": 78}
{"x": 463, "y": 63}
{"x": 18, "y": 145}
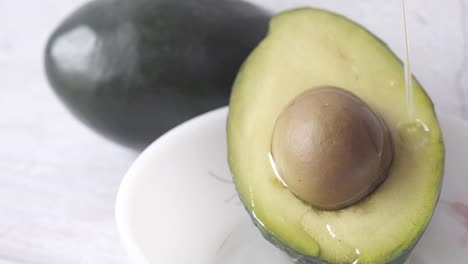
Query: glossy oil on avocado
{"x": 308, "y": 48}
{"x": 133, "y": 69}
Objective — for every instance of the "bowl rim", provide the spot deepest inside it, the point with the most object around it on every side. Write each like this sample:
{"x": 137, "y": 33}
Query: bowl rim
{"x": 121, "y": 208}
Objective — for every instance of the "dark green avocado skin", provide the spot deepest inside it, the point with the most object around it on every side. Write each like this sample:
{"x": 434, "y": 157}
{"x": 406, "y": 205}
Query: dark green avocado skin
{"x": 133, "y": 69}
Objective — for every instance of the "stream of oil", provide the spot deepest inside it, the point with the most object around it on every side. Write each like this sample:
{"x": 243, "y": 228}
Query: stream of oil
{"x": 408, "y": 73}
{"x": 413, "y": 132}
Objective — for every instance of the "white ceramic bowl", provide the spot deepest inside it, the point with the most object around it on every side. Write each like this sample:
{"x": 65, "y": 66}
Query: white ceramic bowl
{"x": 177, "y": 203}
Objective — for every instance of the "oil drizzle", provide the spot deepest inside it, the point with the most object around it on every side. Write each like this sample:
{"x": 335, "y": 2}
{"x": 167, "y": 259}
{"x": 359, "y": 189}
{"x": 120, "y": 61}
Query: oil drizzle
{"x": 275, "y": 170}
{"x": 408, "y": 73}
{"x": 413, "y": 133}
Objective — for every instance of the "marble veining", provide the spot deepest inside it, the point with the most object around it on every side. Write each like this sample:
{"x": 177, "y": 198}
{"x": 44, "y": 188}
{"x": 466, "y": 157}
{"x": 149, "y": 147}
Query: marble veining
{"x": 462, "y": 73}
{"x": 461, "y": 210}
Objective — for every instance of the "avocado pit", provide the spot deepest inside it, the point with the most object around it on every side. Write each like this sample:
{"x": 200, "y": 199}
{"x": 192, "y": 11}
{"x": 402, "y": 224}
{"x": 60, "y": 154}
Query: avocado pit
{"x": 330, "y": 148}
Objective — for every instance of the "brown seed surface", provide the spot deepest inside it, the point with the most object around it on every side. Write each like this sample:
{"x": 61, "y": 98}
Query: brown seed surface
{"x": 330, "y": 148}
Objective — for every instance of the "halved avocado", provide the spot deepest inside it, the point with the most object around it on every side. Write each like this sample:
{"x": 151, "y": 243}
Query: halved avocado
{"x": 308, "y": 48}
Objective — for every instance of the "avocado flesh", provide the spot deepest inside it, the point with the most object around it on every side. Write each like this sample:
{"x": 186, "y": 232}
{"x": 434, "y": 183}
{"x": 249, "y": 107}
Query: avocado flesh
{"x": 307, "y": 48}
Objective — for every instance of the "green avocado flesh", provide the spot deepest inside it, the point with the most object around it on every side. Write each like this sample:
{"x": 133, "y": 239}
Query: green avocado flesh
{"x": 307, "y": 48}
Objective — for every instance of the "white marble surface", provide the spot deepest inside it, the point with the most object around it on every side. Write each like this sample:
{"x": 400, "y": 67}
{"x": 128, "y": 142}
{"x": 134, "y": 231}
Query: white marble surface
{"x": 58, "y": 179}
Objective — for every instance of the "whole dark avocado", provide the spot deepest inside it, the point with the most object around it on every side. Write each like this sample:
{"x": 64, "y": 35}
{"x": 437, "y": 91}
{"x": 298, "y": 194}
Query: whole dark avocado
{"x": 132, "y": 70}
